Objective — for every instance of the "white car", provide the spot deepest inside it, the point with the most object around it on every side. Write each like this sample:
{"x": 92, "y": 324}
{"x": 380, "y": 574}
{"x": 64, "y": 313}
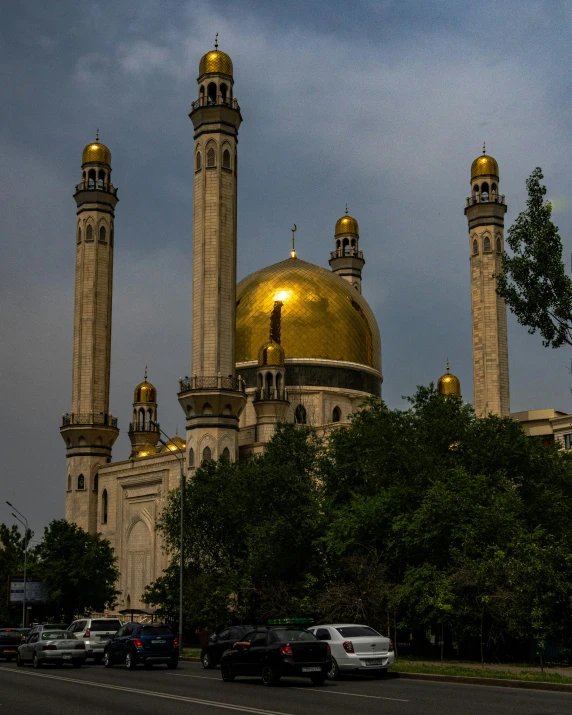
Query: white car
{"x": 356, "y": 649}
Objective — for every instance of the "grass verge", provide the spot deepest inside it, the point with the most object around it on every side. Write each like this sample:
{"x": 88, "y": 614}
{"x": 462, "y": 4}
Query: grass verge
{"x": 191, "y": 653}
{"x": 404, "y": 666}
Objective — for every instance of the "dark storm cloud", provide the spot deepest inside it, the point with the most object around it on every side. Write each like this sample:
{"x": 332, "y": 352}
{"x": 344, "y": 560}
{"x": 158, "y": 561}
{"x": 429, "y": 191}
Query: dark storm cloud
{"x": 380, "y": 104}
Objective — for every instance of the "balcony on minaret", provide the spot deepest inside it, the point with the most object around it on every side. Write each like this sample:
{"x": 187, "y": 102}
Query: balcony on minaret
{"x": 91, "y": 184}
{"x": 214, "y": 382}
{"x": 214, "y": 101}
{"x": 484, "y": 198}
{"x": 346, "y": 251}
{"x": 89, "y": 418}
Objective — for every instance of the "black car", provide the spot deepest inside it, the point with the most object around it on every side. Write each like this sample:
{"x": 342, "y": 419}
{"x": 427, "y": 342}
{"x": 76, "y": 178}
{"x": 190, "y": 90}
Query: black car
{"x": 273, "y": 652}
{"x": 146, "y": 643}
{"x": 212, "y": 652}
{"x": 10, "y": 639}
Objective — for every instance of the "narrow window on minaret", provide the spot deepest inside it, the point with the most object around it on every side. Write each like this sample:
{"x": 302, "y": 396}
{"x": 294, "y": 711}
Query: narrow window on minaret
{"x": 102, "y": 235}
{"x": 79, "y": 234}
{"x": 81, "y": 482}
{"x": 211, "y": 157}
{"x": 499, "y": 249}
{"x": 69, "y": 482}
{"x": 487, "y": 245}
{"x": 191, "y": 457}
{"x": 300, "y": 415}
{"x": 104, "y": 507}
{"x": 226, "y": 454}
{"x": 336, "y": 414}
{"x": 475, "y": 247}
{"x": 207, "y": 454}
{"x": 198, "y": 161}
{"x": 226, "y": 159}
{"x": 89, "y": 233}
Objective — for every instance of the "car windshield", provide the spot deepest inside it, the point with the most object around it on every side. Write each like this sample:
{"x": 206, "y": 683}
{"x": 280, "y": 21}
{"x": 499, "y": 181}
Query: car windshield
{"x": 53, "y": 635}
{"x": 357, "y": 631}
{"x": 294, "y": 634}
{"x": 156, "y": 631}
{"x": 111, "y": 624}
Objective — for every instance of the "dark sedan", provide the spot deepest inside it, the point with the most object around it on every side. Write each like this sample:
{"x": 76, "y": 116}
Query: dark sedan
{"x": 146, "y": 643}
{"x": 271, "y": 653}
{"x": 219, "y": 643}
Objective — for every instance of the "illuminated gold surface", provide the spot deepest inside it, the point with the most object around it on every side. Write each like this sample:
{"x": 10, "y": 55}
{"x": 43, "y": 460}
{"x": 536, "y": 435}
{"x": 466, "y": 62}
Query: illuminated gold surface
{"x": 175, "y": 444}
{"x": 346, "y": 224}
{"x": 271, "y": 354}
{"x": 215, "y": 61}
{"x": 147, "y": 450}
{"x": 145, "y": 392}
{"x": 449, "y": 385}
{"x": 322, "y": 316}
{"x": 96, "y": 152}
{"x": 484, "y": 165}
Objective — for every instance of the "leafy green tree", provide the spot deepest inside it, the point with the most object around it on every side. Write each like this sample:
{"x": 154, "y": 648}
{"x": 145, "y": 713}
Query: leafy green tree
{"x": 11, "y": 563}
{"x": 77, "y": 568}
{"x": 534, "y": 281}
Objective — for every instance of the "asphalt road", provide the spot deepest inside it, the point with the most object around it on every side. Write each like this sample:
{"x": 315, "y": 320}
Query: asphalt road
{"x": 94, "y": 690}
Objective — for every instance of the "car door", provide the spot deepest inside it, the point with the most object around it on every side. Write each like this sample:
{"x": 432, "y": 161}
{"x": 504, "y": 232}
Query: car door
{"x": 30, "y": 644}
{"x": 221, "y": 644}
{"x": 240, "y": 657}
{"x": 124, "y": 642}
{"x": 117, "y": 644}
{"x": 256, "y": 653}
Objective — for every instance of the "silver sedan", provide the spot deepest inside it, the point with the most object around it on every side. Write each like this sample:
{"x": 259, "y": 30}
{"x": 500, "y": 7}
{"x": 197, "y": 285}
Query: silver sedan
{"x": 51, "y": 646}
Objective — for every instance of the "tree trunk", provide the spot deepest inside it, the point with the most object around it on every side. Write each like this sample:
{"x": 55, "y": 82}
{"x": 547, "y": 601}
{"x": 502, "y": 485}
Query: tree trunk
{"x": 482, "y": 648}
{"x": 442, "y": 641}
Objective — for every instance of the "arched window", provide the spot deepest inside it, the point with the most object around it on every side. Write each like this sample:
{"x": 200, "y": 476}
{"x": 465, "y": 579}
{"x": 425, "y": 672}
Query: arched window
{"x": 198, "y": 161}
{"x": 226, "y": 454}
{"x": 226, "y": 159}
{"x": 207, "y": 454}
{"x": 484, "y": 191}
{"x": 102, "y": 234}
{"x": 211, "y": 93}
{"x": 336, "y": 414}
{"x": 96, "y": 483}
{"x": 211, "y": 157}
{"x": 81, "y": 482}
{"x": 207, "y": 409}
{"x": 202, "y": 96}
{"x": 191, "y": 457}
{"x": 141, "y": 422}
{"x": 223, "y": 92}
{"x": 104, "y": 507}
{"x": 268, "y": 381}
{"x": 338, "y": 245}
{"x": 91, "y": 179}
{"x": 69, "y": 482}
{"x": 300, "y": 415}
{"x": 89, "y": 233}
{"x": 493, "y": 188}
{"x": 79, "y": 234}
{"x": 476, "y": 189}
{"x": 100, "y": 179}
{"x": 499, "y": 249}
{"x": 487, "y": 245}
{"x": 475, "y": 247}
{"x": 150, "y": 418}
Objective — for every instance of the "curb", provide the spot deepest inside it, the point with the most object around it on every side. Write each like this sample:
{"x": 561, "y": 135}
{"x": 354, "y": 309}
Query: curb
{"x": 190, "y": 659}
{"x": 498, "y": 682}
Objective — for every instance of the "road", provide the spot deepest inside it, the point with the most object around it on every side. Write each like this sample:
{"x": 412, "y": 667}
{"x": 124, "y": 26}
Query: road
{"x": 94, "y": 690}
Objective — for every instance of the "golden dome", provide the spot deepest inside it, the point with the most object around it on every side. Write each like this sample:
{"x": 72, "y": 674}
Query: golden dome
{"x": 484, "y": 165}
{"x": 322, "y": 317}
{"x": 215, "y": 61}
{"x": 271, "y": 353}
{"x": 98, "y": 152}
{"x": 449, "y": 384}
{"x": 175, "y": 444}
{"x": 347, "y": 224}
{"x": 147, "y": 450}
{"x": 145, "y": 392}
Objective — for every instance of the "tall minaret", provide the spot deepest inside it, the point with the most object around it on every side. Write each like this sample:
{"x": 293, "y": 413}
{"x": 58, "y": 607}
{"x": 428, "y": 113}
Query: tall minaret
{"x": 485, "y": 212}
{"x": 347, "y": 260}
{"x": 89, "y": 430}
{"x": 213, "y": 398}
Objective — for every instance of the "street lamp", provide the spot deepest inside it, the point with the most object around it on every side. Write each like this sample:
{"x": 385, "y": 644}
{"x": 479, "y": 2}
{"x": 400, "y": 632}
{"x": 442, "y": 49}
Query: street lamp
{"x": 181, "y": 465}
{"x": 25, "y": 524}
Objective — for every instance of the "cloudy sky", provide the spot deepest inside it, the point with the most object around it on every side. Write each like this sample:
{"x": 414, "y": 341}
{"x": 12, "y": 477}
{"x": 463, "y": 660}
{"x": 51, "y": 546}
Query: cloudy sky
{"x": 381, "y": 104}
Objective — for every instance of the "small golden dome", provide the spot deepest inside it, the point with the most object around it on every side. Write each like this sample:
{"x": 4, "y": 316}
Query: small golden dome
{"x": 175, "y": 444}
{"x": 449, "y": 384}
{"x": 271, "y": 353}
{"x": 484, "y": 165}
{"x": 347, "y": 224}
{"x": 145, "y": 392}
{"x": 147, "y": 450}
{"x": 96, "y": 152}
{"x": 215, "y": 61}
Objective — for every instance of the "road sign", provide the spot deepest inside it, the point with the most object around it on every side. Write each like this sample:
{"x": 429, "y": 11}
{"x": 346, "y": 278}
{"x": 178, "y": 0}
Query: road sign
{"x": 36, "y": 591}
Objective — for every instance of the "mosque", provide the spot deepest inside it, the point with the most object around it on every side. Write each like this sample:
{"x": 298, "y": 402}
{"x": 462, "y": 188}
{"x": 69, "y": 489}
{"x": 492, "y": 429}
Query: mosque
{"x": 292, "y": 342}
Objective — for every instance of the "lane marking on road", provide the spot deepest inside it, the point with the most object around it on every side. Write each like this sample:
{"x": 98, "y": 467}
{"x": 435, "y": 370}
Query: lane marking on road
{"x": 313, "y": 690}
{"x": 151, "y": 693}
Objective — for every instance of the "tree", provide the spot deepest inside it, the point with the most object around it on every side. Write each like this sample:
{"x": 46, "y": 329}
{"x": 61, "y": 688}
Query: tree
{"x": 78, "y": 570}
{"x": 11, "y": 563}
{"x": 534, "y": 283}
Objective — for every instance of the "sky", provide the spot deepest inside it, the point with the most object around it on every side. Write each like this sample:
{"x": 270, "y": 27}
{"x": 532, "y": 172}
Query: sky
{"x": 381, "y": 104}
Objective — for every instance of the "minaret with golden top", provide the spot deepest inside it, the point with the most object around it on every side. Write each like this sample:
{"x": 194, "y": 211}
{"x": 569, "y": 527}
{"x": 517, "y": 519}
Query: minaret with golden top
{"x": 347, "y": 260}
{"x": 485, "y": 209}
{"x": 144, "y": 430}
{"x": 448, "y": 384}
{"x": 213, "y": 398}
{"x": 89, "y": 430}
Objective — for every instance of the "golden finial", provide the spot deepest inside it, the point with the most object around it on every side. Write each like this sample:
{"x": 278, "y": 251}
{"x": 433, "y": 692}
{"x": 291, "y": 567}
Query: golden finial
{"x": 97, "y": 135}
{"x": 293, "y": 251}
{"x": 145, "y": 373}
{"x": 484, "y": 148}
{"x": 216, "y": 41}
{"x": 346, "y": 209}
{"x": 447, "y": 364}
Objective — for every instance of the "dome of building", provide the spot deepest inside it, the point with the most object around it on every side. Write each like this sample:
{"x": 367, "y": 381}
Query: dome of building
{"x": 449, "y": 384}
{"x": 147, "y": 450}
{"x": 271, "y": 353}
{"x": 96, "y": 152}
{"x": 145, "y": 392}
{"x": 347, "y": 224}
{"x": 323, "y": 318}
{"x": 215, "y": 61}
{"x": 175, "y": 444}
{"x": 484, "y": 165}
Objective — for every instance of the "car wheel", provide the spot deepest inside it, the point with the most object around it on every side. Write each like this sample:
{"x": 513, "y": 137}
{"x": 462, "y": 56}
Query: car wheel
{"x": 19, "y": 661}
{"x": 269, "y": 677}
{"x": 107, "y": 662}
{"x": 334, "y": 671}
{"x": 318, "y": 679}
{"x": 35, "y": 662}
{"x": 173, "y": 663}
{"x": 130, "y": 662}
{"x": 226, "y": 672}
{"x": 207, "y": 661}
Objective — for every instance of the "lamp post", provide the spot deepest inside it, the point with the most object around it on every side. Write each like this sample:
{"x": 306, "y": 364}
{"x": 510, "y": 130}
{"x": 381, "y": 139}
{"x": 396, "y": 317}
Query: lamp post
{"x": 181, "y": 537}
{"x": 25, "y": 525}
